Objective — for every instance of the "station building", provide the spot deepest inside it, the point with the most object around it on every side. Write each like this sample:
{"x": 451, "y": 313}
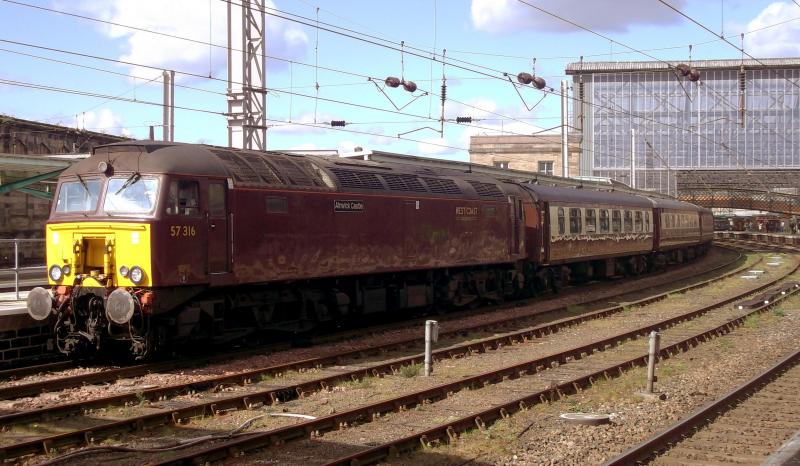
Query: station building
{"x": 741, "y": 115}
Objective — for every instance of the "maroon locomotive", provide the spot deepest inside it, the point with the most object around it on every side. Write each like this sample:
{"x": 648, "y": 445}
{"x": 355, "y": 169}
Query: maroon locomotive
{"x": 150, "y": 243}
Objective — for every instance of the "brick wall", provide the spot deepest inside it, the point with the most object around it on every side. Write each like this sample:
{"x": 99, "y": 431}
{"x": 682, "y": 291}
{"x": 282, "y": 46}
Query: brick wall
{"x": 23, "y": 338}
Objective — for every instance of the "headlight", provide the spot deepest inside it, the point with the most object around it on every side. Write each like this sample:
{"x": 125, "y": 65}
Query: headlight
{"x": 123, "y": 271}
{"x": 55, "y": 273}
{"x": 66, "y": 269}
{"x": 136, "y": 274}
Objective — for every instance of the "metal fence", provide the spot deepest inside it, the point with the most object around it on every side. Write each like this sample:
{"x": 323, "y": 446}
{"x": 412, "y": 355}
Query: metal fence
{"x": 17, "y": 269}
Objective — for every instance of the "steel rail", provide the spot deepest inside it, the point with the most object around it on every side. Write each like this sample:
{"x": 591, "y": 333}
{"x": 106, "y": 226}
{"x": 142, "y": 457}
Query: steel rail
{"x": 35, "y": 388}
{"x": 705, "y": 415}
{"x": 281, "y": 394}
{"x": 85, "y": 436}
{"x": 451, "y": 430}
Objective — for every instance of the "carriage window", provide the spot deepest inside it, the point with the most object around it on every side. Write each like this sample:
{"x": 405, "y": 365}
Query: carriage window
{"x": 183, "y": 198}
{"x": 603, "y": 221}
{"x": 616, "y": 221}
{"x": 647, "y": 222}
{"x": 628, "y": 221}
{"x": 561, "y": 227}
{"x": 591, "y": 221}
{"x": 575, "y": 221}
{"x": 637, "y": 221}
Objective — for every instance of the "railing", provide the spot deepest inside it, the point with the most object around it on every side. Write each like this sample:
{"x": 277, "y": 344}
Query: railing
{"x": 17, "y": 269}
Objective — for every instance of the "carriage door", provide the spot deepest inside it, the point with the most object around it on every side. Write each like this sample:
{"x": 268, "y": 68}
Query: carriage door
{"x": 218, "y": 244}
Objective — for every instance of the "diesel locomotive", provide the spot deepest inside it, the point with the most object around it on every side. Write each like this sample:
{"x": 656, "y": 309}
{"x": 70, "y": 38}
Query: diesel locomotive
{"x": 151, "y": 244}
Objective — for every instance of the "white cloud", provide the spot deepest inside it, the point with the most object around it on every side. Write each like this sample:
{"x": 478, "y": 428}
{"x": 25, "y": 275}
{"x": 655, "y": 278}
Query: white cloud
{"x": 102, "y": 120}
{"x": 184, "y": 18}
{"x": 508, "y": 16}
{"x": 778, "y": 41}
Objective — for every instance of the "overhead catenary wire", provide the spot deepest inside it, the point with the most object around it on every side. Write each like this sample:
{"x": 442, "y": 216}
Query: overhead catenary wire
{"x": 358, "y": 38}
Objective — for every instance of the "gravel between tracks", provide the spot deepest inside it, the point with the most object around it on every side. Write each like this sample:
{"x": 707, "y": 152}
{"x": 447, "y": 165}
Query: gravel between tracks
{"x": 689, "y": 380}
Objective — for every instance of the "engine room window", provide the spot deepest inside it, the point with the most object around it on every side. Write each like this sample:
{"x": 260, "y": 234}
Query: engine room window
{"x": 591, "y": 221}
{"x": 277, "y": 205}
{"x": 561, "y": 225}
{"x": 616, "y": 221}
{"x": 575, "y": 221}
{"x": 183, "y": 198}
{"x": 78, "y": 196}
{"x": 637, "y": 221}
{"x": 131, "y": 195}
{"x": 603, "y": 221}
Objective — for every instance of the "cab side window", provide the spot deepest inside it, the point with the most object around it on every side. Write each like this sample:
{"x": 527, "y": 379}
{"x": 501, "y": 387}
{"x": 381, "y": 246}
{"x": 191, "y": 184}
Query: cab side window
{"x": 183, "y": 198}
{"x": 216, "y": 200}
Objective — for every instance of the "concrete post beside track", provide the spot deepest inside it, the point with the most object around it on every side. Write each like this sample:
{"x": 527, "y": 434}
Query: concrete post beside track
{"x": 431, "y": 336}
{"x": 655, "y": 339}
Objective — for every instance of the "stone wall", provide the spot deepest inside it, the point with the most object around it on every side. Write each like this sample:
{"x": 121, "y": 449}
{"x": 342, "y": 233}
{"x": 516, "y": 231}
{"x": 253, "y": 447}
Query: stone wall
{"x": 22, "y": 215}
{"x": 31, "y": 137}
{"x": 524, "y": 152}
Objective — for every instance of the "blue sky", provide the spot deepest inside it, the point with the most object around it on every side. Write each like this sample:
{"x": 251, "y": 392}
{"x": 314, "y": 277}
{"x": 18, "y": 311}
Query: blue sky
{"x": 490, "y": 36}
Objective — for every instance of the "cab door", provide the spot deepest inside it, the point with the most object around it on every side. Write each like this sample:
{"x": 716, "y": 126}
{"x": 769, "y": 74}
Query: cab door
{"x": 217, "y": 222}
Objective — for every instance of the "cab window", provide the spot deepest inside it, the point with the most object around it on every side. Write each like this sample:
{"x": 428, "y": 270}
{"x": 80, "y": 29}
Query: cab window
{"x": 183, "y": 198}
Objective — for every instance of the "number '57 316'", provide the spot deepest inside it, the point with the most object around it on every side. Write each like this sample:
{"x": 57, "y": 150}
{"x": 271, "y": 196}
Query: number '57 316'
{"x": 182, "y": 230}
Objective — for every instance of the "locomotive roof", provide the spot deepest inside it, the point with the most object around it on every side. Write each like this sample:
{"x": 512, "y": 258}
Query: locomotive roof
{"x": 581, "y": 195}
{"x": 249, "y": 168}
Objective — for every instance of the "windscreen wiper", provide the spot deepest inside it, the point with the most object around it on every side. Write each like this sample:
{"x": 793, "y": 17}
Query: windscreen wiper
{"x": 131, "y": 180}
{"x": 83, "y": 183}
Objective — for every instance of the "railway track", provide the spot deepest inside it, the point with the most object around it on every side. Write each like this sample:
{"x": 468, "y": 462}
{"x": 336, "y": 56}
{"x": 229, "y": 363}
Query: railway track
{"x": 542, "y": 379}
{"x": 256, "y": 398}
{"x": 743, "y": 427}
{"x": 12, "y": 391}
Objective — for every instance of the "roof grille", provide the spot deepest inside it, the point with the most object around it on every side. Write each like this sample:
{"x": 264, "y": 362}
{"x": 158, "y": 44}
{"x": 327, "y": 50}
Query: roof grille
{"x": 357, "y": 180}
{"x": 241, "y": 170}
{"x": 291, "y": 171}
{"x": 487, "y": 190}
{"x": 404, "y": 183}
{"x": 442, "y": 186}
{"x": 263, "y": 168}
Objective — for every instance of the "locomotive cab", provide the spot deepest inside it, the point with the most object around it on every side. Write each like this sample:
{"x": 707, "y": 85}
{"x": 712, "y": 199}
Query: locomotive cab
{"x": 124, "y": 233}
